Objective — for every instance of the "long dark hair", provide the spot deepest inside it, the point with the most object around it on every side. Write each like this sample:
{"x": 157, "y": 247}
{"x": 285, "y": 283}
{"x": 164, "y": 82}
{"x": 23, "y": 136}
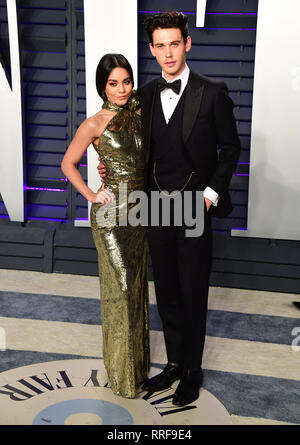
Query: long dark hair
{"x": 105, "y": 67}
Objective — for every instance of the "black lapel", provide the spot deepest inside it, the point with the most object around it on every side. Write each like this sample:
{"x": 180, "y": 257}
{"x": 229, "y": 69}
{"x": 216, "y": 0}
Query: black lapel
{"x": 192, "y": 103}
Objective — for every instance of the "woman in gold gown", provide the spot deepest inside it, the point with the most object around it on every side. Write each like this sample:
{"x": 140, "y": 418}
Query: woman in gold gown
{"x": 115, "y": 132}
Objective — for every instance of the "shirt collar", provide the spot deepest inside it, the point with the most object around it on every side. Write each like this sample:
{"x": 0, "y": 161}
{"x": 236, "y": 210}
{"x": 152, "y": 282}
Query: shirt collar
{"x": 184, "y": 77}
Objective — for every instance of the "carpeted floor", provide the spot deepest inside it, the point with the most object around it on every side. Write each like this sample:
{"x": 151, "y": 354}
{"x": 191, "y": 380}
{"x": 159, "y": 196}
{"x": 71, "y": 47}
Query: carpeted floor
{"x": 249, "y": 364}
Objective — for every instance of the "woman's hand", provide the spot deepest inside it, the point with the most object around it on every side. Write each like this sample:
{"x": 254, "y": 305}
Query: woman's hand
{"x": 103, "y": 196}
{"x": 101, "y": 169}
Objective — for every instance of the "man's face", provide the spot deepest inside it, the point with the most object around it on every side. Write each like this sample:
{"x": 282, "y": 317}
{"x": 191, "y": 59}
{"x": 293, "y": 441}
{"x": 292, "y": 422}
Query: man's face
{"x": 169, "y": 49}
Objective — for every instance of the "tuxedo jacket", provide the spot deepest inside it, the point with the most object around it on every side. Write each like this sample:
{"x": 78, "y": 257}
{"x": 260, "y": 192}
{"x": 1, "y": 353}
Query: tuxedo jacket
{"x": 209, "y": 133}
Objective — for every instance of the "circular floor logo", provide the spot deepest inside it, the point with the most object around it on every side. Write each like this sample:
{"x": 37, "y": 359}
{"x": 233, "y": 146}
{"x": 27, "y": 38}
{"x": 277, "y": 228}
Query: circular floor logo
{"x": 77, "y": 392}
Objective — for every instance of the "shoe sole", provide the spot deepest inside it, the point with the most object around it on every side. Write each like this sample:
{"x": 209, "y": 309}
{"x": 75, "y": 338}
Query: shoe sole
{"x": 161, "y": 388}
{"x": 184, "y": 404}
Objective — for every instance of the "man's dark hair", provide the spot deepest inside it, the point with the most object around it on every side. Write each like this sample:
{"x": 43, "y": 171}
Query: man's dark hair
{"x": 169, "y": 19}
{"x": 105, "y": 67}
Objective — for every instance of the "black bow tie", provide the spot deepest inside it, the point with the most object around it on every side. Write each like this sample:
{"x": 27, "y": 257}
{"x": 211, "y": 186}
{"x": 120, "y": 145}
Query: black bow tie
{"x": 175, "y": 86}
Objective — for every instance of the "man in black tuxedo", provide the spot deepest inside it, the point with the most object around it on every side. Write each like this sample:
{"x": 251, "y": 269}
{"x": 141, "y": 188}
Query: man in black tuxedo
{"x": 186, "y": 118}
{"x": 184, "y": 125}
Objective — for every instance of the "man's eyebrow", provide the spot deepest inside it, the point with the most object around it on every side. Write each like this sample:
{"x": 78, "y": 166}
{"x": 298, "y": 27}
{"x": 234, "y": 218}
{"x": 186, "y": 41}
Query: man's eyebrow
{"x": 174, "y": 41}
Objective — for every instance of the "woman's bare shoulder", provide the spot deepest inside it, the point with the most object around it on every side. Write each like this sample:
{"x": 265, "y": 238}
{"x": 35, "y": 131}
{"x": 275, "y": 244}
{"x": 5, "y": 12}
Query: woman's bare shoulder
{"x": 95, "y": 124}
{"x": 99, "y": 119}
{"x": 98, "y": 122}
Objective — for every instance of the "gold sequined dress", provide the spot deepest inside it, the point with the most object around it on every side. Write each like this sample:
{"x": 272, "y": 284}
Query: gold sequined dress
{"x": 122, "y": 254}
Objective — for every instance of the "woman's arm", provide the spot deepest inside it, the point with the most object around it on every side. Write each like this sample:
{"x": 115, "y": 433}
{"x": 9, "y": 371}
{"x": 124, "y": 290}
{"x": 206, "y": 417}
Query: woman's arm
{"x": 84, "y": 136}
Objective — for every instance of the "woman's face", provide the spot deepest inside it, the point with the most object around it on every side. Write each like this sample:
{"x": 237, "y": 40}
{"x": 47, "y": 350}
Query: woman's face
{"x": 119, "y": 86}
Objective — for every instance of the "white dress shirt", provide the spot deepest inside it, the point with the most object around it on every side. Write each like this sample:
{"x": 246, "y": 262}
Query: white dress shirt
{"x": 169, "y": 101}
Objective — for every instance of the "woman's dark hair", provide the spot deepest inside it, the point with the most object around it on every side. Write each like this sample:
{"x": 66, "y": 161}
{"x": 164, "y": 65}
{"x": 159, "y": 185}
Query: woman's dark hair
{"x": 169, "y": 19}
{"x": 105, "y": 67}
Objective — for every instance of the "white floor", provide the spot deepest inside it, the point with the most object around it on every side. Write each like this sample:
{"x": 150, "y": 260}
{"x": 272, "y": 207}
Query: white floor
{"x": 221, "y": 354}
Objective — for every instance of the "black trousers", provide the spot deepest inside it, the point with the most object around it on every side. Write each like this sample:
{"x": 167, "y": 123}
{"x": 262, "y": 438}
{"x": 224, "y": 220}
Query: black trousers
{"x": 181, "y": 269}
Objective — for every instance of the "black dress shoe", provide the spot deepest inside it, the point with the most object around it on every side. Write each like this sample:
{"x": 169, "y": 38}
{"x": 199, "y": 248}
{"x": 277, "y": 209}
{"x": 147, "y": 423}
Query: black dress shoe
{"x": 189, "y": 387}
{"x": 164, "y": 379}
